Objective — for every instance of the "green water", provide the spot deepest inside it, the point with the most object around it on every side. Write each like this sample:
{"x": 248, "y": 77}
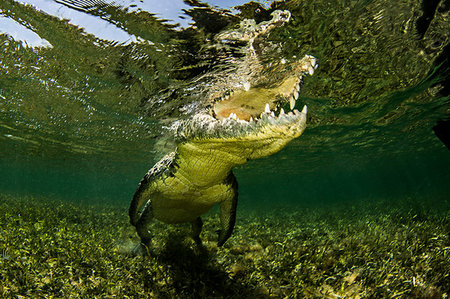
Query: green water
{"x": 358, "y": 206}
{"x": 81, "y": 119}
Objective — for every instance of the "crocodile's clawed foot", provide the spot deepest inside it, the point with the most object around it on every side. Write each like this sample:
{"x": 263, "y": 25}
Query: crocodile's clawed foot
{"x": 222, "y": 237}
{"x": 143, "y": 248}
{"x": 197, "y": 241}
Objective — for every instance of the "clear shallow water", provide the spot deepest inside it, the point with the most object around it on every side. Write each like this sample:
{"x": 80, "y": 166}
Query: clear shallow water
{"x": 83, "y": 116}
{"x": 356, "y": 207}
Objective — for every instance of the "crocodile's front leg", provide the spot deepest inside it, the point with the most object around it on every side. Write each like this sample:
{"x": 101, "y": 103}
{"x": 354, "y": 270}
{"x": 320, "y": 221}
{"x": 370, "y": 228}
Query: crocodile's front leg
{"x": 228, "y": 211}
{"x": 141, "y": 225}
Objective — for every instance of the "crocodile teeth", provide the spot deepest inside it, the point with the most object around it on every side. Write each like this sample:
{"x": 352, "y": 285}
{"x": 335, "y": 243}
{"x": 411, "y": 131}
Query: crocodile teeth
{"x": 281, "y": 111}
{"x": 267, "y": 110}
{"x": 297, "y": 87}
{"x": 233, "y": 116}
{"x": 292, "y": 103}
{"x": 272, "y": 114}
{"x": 295, "y": 94}
{"x": 305, "y": 109}
{"x": 296, "y": 112}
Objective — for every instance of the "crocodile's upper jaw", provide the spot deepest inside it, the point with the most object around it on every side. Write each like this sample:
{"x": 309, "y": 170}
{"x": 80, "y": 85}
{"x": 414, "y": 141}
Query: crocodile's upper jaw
{"x": 248, "y": 103}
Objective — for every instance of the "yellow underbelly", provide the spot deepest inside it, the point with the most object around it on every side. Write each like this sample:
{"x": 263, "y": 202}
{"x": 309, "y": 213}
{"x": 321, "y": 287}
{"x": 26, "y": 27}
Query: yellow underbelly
{"x": 178, "y": 205}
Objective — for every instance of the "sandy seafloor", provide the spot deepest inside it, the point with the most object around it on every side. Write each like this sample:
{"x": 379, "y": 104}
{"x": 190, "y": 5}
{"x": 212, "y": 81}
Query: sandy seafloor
{"x": 374, "y": 248}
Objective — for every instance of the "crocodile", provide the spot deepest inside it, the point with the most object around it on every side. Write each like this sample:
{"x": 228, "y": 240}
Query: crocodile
{"x": 247, "y": 122}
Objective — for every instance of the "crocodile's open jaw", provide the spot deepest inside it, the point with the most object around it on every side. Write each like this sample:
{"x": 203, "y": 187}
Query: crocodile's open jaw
{"x": 249, "y": 103}
{"x": 253, "y": 113}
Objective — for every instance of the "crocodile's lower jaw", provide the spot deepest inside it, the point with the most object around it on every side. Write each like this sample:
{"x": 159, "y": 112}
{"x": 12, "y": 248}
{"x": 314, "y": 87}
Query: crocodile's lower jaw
{"x": 242, "y": 140}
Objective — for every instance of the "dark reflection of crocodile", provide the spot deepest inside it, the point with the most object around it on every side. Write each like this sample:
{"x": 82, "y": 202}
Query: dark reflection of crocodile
{"x": 245, "y": 123}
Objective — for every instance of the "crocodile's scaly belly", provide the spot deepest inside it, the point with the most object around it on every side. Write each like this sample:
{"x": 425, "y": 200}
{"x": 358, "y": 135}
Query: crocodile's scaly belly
{"x": 185, "y": 204}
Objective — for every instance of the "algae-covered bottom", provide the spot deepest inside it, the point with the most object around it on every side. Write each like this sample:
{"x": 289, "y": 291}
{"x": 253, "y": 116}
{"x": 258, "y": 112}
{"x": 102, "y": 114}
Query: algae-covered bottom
{"x": 377, "y": 248}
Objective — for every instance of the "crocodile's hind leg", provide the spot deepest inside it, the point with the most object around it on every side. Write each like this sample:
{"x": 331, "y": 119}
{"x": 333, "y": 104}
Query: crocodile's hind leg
{"x": 197, "y": 225}
{"x": 228, "y": 212}
{"x": 141, "y": 225}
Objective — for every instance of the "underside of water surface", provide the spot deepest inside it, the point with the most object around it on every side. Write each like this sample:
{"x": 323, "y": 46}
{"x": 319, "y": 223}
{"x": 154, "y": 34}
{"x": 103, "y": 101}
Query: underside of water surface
{"x": 358, "y": 206}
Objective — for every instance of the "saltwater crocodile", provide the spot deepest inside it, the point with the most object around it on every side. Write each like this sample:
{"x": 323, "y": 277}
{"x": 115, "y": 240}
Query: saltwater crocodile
{"x": 246, "y": 123}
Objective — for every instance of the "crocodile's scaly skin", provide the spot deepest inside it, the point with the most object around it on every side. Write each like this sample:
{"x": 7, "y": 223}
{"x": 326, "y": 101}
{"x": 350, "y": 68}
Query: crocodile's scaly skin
{"x": 237, "y": 127}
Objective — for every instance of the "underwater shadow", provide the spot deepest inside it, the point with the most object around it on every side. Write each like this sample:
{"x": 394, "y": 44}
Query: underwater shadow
{"x": 194, "y": 273}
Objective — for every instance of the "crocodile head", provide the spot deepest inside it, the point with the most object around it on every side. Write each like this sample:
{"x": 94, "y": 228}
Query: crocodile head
{"x": 250, "y": 123}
